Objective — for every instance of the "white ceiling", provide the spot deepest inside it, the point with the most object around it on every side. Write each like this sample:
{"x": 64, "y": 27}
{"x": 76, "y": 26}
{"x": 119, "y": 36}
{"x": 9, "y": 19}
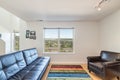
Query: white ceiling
{"x": 59, "y": 10}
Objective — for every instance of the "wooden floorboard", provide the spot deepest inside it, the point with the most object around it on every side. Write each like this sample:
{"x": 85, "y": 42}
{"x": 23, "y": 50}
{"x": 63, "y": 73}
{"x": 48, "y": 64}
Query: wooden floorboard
{"x": 46, "y": 72}
{"x": 91, "y": 74}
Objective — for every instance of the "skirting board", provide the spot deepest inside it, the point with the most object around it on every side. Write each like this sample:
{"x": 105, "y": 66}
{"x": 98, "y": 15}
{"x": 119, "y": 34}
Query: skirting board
{"x": 75, "y": 63}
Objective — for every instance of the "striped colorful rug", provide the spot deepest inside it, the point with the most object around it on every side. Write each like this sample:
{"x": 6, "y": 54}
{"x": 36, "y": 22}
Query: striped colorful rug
{"x": 68, "y": 72}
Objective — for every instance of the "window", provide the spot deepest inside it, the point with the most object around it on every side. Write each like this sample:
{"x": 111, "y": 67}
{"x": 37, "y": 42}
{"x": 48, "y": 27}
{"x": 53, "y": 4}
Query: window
{"x": 58, "y": 40}
{"x": 16, "y": 40}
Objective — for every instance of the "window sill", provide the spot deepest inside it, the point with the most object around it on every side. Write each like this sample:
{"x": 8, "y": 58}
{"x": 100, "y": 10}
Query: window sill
{"x": 58, "y": 53}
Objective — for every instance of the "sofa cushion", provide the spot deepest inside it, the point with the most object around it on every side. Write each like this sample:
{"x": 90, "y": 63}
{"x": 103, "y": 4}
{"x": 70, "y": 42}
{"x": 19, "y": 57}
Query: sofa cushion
{"x": 11, "y": 64}
{"x": 109, "y": 56}
{"x": 20, "y": 60}
{"x": 33, "y": 71}
{"x": 32, "y": 75}
{"x": 2, "y": 74}
{"x": 97, "y": 65}
{"x": 30, "y": 55}
{"x": 34, "y": 53}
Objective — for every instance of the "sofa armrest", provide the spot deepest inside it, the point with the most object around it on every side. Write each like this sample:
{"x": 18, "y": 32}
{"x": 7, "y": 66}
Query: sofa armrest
{"x": 93, "y": 58}
{"x": 117, "y": 59}
{"x": 111, "y": 63}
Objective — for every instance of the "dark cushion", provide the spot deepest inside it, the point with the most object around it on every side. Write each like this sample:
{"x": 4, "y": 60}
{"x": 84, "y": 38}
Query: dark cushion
{"x": 32, "y": 75}
{"x": 30, "y": 55}
{"x": 34, "y": 53}
{"x": 109, "y": 56}
{"x": 2, "y": 74}
{"x": 117, "y": 59}
{"x": 33, "y": 71}
{"x": 11, "y": 64}
{"x": 20, "y": 60}
{"x": 97, "y": 65}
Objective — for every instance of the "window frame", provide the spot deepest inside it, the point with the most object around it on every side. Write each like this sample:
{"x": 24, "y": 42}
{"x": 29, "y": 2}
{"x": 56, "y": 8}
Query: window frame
{"x": 73, "y": 39}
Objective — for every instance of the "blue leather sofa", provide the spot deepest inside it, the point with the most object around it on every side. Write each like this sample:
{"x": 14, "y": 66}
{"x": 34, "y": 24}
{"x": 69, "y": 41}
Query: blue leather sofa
{"x": 23, "y": 65}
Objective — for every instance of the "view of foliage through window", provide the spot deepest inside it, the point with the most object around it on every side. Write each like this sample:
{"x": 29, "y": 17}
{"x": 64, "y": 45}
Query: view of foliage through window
{"x": 58, "y": 40}
{"x": 16, "y": 41}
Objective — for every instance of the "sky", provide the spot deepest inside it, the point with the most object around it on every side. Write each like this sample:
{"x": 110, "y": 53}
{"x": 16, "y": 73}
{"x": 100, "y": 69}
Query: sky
{"x": 55, "y": 33}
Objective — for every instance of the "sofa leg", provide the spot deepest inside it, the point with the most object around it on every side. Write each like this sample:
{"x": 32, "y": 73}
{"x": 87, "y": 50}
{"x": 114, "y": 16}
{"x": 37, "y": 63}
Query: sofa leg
{"x": 89, "y": 71}
{"x": 118, "y": 78}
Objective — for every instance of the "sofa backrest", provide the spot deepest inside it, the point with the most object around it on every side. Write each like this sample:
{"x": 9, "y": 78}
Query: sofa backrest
{"x": 109, "y": 56}
{"x": 30, "y": 55}
{"x": 10, "y": 64}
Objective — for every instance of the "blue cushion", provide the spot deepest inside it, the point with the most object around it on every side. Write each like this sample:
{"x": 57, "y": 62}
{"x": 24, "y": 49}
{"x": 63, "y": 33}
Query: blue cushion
{"x": 20, "y": 60}
{"x": 2, "y": 74}
{"x": 8, "y": 60}
{"x": 30, "y": 55}
{"x": 11, "y": 64}
{"x": 11, "y": 70}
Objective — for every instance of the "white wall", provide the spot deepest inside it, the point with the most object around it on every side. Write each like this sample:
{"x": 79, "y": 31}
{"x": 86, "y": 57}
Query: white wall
{"x": 8, "y": 24}
{"x": 6, "y": 38}
{"x": 2, "y": 47}
{"x": 110, "y": 32}
{"x": 90, "y": 37}
{"x": 86, "y": 40}
{"x": 9, "y": 21}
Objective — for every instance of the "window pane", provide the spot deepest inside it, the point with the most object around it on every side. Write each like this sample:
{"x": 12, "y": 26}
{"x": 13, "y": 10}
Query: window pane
{"x": 51, "y": 45}
{"x": 51, "y": 33}
{"x": 58, "y": 40}
{"x": 16, "y": 41}
{"x": 66, "y": 45}
{"x": 66, "y": 33}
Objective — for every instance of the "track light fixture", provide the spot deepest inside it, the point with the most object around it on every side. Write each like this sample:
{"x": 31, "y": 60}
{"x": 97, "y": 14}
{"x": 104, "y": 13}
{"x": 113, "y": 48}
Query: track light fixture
{"x": 98, "y": 7}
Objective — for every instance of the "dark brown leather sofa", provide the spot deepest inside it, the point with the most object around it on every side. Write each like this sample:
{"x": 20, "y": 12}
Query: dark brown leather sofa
{"x": 115, "y": 70}
{"x": 99, "y": 64}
